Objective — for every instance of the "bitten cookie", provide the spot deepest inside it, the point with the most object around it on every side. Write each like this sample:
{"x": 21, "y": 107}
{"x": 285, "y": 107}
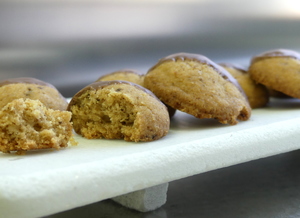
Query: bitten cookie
{"x": 194, "y": 84}
{"x": 126, "y": 75}
{"x": 258, "y": 95}
{"x": 27, "y": 124}
{"x": 278, "y": 70}
{"x": 118, "y": 110}
{"x": 31, "y": 88}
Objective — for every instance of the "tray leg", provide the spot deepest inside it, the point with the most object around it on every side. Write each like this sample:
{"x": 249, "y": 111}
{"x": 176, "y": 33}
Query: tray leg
{"x": 145, "y": 200}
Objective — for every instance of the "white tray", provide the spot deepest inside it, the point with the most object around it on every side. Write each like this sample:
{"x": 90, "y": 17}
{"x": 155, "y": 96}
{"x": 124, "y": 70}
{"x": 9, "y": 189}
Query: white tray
{"x": 45, "y": 182}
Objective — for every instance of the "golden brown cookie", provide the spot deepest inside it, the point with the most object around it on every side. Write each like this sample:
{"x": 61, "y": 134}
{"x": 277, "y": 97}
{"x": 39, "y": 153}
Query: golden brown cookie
{"x": 278, "y": 70}
{"x": 194, "y": 84}
{"x": 118, "y": 110}
{"x": 31, "y": 88}
{"x": 27, "y": 124}
{"x": 126, "y": 75}
{"x": 130, "y": 76}
{"x": 258, "y": 95}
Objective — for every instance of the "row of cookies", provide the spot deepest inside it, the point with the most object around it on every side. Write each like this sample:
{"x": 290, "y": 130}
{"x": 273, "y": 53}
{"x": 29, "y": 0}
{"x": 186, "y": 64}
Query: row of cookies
{"x": 115, "y": 106}
{"x": 135, "y": 107}
{"x": 194, "y": 84}
{"x": 273, "y": 73}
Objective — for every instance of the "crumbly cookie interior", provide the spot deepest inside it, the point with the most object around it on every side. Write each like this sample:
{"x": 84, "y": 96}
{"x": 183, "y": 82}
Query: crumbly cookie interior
{"x": 104, "y": 113}
{"x": 27, "y": 124}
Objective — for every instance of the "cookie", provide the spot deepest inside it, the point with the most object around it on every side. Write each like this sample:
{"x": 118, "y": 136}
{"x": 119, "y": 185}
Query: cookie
{"x": 196, "y": 85}
{"x": 258, "y": 95}
{"x": 27, "y": 124}
{"x": 31, "y": 88}
{"x": 126, "y": 75}
{"x": 277, "y": 70}
{"x": 118, "y": 110}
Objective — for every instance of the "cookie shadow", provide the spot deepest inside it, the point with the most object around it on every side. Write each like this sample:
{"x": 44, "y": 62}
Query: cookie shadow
{"x": 284, "y": 103}
{"x": 185, "y": 121}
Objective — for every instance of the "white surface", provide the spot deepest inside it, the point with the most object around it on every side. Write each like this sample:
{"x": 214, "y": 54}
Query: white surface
{"x": 45, "y": 182}
{"x": 146, "y": 199}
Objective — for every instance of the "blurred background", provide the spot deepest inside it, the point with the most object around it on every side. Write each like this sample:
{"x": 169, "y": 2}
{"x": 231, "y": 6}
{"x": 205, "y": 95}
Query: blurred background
{"x": 70, "y": 43}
